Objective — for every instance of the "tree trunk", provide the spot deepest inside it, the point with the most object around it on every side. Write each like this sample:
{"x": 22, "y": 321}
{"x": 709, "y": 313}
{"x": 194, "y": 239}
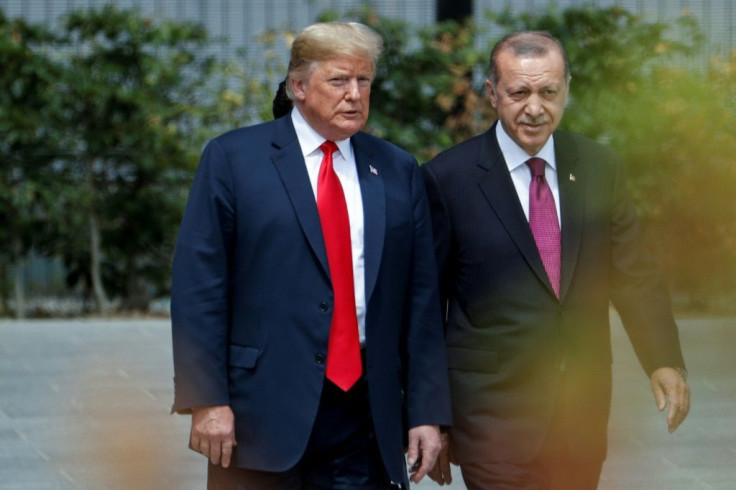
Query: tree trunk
{"x": 98, "y": 288}
{"x": 20, "y": 293}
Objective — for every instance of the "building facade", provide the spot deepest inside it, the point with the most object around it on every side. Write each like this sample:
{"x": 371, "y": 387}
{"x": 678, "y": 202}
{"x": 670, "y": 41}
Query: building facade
{"x": 241, "y": 21}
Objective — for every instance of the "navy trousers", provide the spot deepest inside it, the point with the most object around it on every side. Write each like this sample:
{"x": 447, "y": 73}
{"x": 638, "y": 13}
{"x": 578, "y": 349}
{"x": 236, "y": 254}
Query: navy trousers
{"x": 342, "y": 453}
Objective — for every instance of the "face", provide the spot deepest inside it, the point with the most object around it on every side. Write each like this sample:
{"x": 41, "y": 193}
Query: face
{"x": 335, "y": 96}
{"x": 530, "y": 97}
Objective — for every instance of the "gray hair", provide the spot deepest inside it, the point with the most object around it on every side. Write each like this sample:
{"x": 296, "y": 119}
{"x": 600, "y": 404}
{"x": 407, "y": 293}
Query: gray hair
{"x": 530, "y": 44}
{"x": 326, "y": 40}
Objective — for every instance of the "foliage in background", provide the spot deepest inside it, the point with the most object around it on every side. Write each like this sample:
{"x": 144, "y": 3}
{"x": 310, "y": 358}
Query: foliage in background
{"x": 113, "y": 135}
{"x": 101, "y": 124}
{"x": 28, "y": 115}
{"x": 132, "y": 93}
{"x": 682, "y": 159}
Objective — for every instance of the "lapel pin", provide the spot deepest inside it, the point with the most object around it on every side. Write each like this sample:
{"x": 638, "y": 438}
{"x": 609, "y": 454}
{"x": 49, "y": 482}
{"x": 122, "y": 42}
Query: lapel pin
{"x": 373, "y": 169}
{"x": 572, "y": 178}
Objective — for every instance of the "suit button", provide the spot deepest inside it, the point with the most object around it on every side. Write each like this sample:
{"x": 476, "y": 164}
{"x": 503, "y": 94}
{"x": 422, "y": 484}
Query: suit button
{"x": 323, "y": 306}
{"x": 319, "y": 358}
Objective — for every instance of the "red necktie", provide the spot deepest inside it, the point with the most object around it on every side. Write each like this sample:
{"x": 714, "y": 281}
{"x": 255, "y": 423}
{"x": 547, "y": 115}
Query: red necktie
{"x": 344, "y": 366}
{"x": 543, "y": 222}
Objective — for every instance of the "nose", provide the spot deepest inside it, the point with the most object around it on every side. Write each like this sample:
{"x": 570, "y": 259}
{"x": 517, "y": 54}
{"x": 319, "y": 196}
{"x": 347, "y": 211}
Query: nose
{"x": 534, "y": 106}
{"x": 352, "y": 91}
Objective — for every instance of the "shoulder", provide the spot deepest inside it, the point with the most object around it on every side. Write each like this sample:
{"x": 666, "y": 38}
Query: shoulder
{"x": 463, "y": 155}
{"x": 586, "y": 148}
{"x": 462, "y": 151}
{"x": 257, "y": 135}
{"x": 243, "y": 148}
{"x": 381, "y": 148}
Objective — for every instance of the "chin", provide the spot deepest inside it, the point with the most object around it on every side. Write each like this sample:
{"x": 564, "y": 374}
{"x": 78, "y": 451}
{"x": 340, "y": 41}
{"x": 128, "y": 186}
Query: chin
{"x": 349, "y": 131}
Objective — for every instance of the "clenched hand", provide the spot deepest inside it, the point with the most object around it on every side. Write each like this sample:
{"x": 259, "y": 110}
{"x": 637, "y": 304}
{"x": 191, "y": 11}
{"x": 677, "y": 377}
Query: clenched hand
{"x": 213, "y": 433}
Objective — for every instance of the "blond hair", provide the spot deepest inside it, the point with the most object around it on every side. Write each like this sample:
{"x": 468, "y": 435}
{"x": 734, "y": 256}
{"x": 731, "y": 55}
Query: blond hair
{"x": 326, "y": 40}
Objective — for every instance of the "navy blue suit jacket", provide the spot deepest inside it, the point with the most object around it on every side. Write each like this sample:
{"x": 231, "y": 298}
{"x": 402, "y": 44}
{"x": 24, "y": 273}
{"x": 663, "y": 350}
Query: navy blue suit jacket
{"x": 510, "y": 341}
{"x": 252, "y": 299}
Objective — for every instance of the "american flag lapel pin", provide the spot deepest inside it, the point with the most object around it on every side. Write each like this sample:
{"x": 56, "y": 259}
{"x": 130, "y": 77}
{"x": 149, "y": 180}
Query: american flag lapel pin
{"x": 572, "y": 178}
{"x": 373, "y": 169}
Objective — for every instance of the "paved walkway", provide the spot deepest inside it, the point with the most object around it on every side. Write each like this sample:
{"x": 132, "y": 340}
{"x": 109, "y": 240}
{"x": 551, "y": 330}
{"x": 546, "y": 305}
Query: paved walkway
{"x": 84, "y": 405}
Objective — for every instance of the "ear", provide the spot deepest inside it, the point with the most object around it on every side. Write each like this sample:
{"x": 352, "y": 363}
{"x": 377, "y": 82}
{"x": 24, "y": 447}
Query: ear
{"x": 491, "y": 93}
{"x": 298, "y": 88}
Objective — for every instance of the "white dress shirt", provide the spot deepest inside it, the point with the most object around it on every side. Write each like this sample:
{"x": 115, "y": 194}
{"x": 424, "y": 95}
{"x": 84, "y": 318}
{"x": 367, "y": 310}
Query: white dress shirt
{"x": 343, "y": 161}
{"x": 516, "y": 159}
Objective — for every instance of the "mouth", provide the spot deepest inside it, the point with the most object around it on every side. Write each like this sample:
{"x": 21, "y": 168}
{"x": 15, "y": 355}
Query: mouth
{"x": 533, "y": 124}
{"x": 532, "y": 128}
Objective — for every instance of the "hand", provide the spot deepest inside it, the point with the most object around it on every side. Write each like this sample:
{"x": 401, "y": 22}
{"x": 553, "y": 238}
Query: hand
{"x": 441, "y": 472}
{"x": 213, "y": 433}
{"x": 669, "y": 385}
{"x": 424, "y": 445}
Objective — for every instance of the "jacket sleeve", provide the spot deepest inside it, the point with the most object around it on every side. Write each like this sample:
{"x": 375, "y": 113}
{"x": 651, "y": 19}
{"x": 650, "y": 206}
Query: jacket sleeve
{"x": 442, "y": 231}
{"x": 428, "y": 395}
{"x": 638, "y": 291}
{"x": 200, "y": 276}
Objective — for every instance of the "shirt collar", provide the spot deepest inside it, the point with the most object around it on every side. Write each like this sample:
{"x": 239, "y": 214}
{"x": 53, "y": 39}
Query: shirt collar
{"x": 515, "y": 155}
{"x": 310, "y": 140}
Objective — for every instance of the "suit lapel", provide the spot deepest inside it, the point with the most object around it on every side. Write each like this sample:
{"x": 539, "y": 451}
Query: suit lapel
{"x": 499, "y": 190}
{"x": 571, "y": 181}
{"x": 374, "y": 210}
{"x": 289, "y": 162}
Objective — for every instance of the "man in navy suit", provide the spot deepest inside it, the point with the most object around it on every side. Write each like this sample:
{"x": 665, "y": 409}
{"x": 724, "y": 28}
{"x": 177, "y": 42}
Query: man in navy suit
{"x": 535, "y": 235}
{"x": 279, "y": 400}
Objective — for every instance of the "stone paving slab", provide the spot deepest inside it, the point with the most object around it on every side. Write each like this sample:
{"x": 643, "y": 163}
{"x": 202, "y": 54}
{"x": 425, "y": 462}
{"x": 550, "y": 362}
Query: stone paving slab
{"x": 84, "y": 404}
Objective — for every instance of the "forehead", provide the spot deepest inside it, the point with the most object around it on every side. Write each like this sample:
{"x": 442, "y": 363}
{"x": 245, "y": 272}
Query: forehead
{"x": 344, "y": 64}
{"x": 526, "y": 69}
